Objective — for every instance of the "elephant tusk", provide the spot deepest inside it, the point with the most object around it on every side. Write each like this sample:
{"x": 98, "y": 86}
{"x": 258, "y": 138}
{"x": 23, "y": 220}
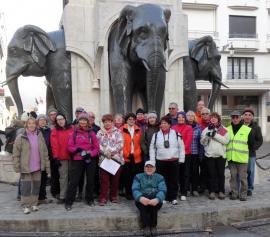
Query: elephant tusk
{"x": 146, "y": 66}
{"x": 164, "y": 67}
{"x": 222, "y": 84}
{"x": 4, "y": 83}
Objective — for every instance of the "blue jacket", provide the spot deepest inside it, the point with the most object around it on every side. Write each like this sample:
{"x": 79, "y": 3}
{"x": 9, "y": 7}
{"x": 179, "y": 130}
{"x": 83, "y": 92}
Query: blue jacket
{"x": 149, "y": 186}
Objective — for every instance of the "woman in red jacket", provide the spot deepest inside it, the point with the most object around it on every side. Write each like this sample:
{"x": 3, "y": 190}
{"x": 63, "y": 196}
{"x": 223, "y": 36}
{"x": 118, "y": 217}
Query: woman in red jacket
{"x": 59, "y": 144}
{"x": 84, "y": 148}
{"x": 186, "y": 133}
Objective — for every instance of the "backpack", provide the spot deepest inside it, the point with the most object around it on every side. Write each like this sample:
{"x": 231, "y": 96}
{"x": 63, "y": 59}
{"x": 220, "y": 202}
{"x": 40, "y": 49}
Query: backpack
{"x": 10, "y": 133}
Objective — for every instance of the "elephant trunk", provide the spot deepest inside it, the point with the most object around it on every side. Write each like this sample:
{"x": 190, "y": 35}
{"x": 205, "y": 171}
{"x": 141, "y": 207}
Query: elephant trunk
{"x": 214, "y": 94}
{"x": 14, "y": 90}
{"x": 155, "y": 63}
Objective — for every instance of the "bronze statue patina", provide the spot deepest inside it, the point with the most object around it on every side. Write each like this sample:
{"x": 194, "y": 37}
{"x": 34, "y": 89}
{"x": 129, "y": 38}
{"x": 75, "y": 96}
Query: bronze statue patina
{"x": 33, "y": 52}
{"x": 203, "y": 63}
{"x": 137, "y": 43}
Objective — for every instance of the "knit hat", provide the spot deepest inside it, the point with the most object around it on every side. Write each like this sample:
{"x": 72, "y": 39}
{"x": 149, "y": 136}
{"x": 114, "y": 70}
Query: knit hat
{"x": 79, "y": 109}
{"x": 40, "y": 116}
{"x": 52, "y": 110}
{"x": 249, "y": 111}
{"x": 167, "y": 119}
{"x": 83, "y": 115}
{"x": 152, "y": 114}
{"x": 183, "y": 114}
{"x": 140, "y": 110}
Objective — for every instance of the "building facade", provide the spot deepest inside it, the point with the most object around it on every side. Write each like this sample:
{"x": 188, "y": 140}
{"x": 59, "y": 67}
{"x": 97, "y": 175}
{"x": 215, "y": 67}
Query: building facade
{"x": 241, "y": 30}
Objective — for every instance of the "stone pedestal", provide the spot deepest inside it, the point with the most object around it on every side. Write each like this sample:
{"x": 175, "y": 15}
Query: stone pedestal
{"x": 7, "y": 173}
{"x": 87, "y": 24}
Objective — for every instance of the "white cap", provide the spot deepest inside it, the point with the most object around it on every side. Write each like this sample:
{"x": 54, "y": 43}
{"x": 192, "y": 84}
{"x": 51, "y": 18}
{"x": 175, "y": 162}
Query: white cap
{"x": 150, "y": 162}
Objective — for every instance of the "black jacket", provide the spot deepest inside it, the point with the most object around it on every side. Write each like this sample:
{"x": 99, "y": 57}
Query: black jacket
{"x": 257, "y": 138}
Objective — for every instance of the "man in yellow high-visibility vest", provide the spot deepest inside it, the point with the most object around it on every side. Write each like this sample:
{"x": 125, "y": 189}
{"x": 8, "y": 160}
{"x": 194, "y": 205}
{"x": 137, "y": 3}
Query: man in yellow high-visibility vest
{"x": 237, "y": 154}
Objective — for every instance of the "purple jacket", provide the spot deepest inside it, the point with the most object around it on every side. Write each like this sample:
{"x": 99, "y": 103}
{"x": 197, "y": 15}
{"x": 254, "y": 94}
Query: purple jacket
{"x": 84, "y": 139}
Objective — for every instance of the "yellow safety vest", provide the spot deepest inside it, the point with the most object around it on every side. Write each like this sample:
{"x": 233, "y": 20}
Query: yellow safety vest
{"x": 237, "y": 148}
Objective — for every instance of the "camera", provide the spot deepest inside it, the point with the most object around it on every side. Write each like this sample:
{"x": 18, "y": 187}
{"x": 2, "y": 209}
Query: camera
{"x": 86, "y": 156}
{"x": 166, "y": 144}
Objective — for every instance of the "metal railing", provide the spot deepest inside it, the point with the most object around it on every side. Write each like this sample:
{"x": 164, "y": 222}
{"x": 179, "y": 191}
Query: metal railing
{"x": 237, "y": 76}
{"x": 243, "y": 35}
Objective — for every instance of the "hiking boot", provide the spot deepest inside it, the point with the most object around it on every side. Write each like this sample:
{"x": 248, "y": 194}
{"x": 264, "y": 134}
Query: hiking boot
{"x": 221, "y": 196}
{"x": 195, "y": 194}
{"x": 249, "y": 193}
{"x": 212, "y": 196}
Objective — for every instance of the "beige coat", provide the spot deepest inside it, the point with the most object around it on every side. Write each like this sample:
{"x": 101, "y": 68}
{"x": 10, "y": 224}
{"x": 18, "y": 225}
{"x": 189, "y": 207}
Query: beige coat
{"x": 22, "y": 153}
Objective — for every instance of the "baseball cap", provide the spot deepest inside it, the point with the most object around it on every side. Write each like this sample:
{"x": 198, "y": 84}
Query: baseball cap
{"x": 150, "y": 162}
{"x": 235, "y": 113}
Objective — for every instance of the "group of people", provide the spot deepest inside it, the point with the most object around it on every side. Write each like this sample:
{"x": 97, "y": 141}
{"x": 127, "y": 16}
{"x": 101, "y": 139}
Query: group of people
{"x": 183, "y": 153}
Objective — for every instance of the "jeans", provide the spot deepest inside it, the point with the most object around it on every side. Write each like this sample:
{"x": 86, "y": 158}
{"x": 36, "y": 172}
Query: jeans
{"x": 251, "y": 172}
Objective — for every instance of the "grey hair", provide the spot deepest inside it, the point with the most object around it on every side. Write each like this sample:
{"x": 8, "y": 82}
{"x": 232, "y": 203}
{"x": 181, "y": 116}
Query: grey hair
{"x": 173, "y": 103}
{"x": 190, "y": 112}
{"x": 205, "y": 109}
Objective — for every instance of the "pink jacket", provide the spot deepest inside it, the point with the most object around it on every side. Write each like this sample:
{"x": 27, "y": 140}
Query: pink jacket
{"x": 84, "y": 139}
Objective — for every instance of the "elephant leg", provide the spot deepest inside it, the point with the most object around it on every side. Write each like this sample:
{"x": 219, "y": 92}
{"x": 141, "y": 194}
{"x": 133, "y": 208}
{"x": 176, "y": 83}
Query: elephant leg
{"x": 49, "y": 99}
{"x": 190, "y": 90}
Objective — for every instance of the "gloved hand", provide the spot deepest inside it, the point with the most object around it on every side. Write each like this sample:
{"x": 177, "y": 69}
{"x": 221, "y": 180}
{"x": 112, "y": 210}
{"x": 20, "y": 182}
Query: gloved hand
{"x": 79, "y": 150}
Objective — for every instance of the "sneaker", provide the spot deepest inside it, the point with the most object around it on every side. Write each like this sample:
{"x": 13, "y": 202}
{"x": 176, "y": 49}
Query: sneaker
{"x": 212, "y": 196}
{"x": 174, "y": 202}
{"x": 164, "y": 202}
{"x": 183, "y": 198}
{"x": 68, "y": 207}
{"x": 26, "y": 210}
{"x": 147, "y": 232}
{"x": 154, "y": 231}
{"x": 249, "y": 193}
{"x": 221, "y": 196}
{"x": 195, "y": 194}
{"x": 35, "y": 208}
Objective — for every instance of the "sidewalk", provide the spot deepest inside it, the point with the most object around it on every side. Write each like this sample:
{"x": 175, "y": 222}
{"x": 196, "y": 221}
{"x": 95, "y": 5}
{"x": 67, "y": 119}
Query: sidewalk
{"x": 195, "y": 213}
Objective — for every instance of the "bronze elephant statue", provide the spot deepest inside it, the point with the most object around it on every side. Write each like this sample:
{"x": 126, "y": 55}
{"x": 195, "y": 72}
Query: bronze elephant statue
{"x": 137, "y": 43}
{"x": 203, "y": 63}
{"x": 33, "y": 52}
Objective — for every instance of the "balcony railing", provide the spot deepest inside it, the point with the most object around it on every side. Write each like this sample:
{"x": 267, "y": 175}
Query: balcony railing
{"x": 246, "y": 43}
{"x": 195, "y": 34}
{"x": 242, "y": 35}
{"x": 242, "y": 76}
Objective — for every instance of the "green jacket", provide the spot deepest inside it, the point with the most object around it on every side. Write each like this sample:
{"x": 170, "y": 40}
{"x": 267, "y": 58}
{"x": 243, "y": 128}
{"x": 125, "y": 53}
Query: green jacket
{"x": 237, "y": 149}
{"x": 22, "y": 153}
{"x": 149, "y": 186}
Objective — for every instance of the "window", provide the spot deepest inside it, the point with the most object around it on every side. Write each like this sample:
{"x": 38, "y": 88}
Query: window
{"x": 242, "y": 27}
{"x": 240, "y": 68}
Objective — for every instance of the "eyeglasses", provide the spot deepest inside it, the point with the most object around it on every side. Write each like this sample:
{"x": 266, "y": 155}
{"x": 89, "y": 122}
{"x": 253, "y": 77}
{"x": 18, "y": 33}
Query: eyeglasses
{"x": 235, "y": 116}
{"x": 205, "y": 113}
{"x": 171, "y": 108}
{"x": 92, "y": 117}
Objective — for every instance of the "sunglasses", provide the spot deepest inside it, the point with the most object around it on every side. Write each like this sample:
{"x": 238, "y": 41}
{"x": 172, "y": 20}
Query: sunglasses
{"x": 235, "y": 116}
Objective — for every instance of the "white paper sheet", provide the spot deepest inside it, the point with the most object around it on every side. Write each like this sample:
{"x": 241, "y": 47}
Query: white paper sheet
{"x": 110, "y": 166}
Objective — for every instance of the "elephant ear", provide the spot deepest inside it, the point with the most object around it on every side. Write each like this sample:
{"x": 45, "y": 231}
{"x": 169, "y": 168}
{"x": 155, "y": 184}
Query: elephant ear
{"x": 167, "y": 15}
{"x": 38, "y": 43}
{"x": 202, "y": 51}
{"x": 125, "y": 24}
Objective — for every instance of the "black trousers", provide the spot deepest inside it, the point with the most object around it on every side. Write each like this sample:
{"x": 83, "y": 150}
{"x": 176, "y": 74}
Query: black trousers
{"x": 55, "y": 185}
{"x": 216, "y": 176}
{"x": 148, "y": 214}
{"x": 130, "y": 169}
{"x": 184, "y": 175}
{"x": 42, "y": 189}
{"x": 75, "y": 171}
{"x": 204, "y": 184}
{"x": 170, "y": 171}
{"x": 193, "y": 172}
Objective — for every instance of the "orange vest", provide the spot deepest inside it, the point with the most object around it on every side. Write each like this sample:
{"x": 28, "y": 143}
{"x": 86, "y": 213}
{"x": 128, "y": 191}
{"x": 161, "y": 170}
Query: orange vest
{"x": 136, "y": 143}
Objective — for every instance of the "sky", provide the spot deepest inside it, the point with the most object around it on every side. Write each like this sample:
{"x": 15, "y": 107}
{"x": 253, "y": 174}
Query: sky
{"x": 45, "y": 14}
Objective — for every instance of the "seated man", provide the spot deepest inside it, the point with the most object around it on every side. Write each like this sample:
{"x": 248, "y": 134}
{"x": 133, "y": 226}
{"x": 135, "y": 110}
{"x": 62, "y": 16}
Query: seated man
{"x": 149, "y": 191}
